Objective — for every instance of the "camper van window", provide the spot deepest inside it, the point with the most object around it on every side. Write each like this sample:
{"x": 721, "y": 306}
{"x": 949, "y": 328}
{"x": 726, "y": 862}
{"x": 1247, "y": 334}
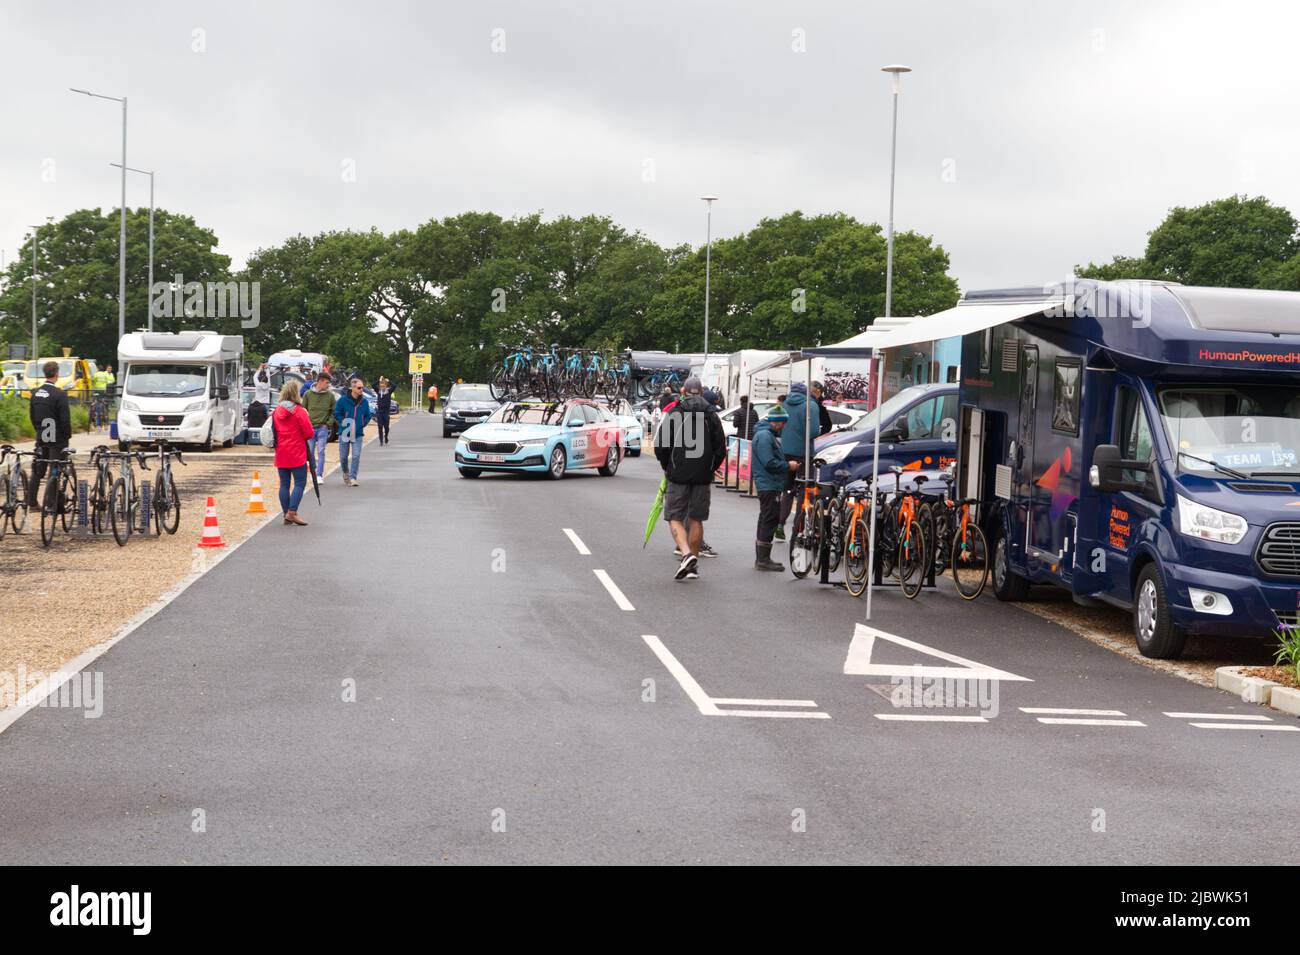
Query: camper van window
{"x": 1253, "y": 428}
{"x": 986, "y": 350}
{"x": 1065, "y": 396}
{"x": 166, "y": 381}
{"x": 1134, "y": 432}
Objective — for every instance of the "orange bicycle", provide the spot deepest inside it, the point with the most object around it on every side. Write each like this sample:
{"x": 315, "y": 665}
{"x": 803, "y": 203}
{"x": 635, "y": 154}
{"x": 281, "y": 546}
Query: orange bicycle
{"x": 806, "y": 532}
{"x": 857, "y": 542}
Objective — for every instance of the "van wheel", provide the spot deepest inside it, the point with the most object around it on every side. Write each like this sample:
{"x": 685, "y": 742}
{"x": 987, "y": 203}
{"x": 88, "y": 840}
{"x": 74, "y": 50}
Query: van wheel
{"x": 1152, "y": 624}
{"x": 206, "y": 446}
{"x": 1007, "y": 584}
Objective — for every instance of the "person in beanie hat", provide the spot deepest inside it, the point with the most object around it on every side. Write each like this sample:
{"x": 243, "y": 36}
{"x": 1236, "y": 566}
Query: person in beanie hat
{"x": 771, "y": 471}
{"x": 799, "y": 406}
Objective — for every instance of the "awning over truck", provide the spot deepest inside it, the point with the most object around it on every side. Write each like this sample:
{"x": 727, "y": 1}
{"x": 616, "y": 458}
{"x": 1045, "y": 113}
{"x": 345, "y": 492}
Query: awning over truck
{"x": 962, "y": 319}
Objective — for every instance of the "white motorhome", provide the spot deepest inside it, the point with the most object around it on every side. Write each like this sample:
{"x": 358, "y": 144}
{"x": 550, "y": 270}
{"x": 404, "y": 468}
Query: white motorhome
{"x": 180, "y": 387}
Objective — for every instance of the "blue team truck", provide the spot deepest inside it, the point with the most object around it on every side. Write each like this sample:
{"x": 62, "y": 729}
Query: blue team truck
{"x": 1136, "y": 443}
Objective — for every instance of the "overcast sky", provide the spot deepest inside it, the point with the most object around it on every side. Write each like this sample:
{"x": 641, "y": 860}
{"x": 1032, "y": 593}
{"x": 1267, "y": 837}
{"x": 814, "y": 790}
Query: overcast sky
{"x": 1032, "y": 136}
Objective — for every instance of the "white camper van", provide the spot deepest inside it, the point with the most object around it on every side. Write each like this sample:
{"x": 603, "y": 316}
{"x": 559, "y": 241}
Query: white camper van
{"x": 180, "y": 387}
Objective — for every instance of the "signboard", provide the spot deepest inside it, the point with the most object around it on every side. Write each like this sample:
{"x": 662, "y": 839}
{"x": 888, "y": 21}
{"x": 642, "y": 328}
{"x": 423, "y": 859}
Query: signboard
{"x": 420, "y": 364}
{"x": 17, "y": 351}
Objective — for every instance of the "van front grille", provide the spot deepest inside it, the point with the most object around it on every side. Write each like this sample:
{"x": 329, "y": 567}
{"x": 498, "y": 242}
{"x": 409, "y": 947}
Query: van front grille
{"x": 1279, "y": 550}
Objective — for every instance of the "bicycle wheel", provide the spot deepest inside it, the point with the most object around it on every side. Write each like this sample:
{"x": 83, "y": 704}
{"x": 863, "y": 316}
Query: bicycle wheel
{"x": 801, "y": 558}
{"x": 168, "y": 503}
{"x": 857, "y": 558}
{"x": 942, "y": 538}
{"x": 911, "y": 560}
{"x": 68, "y": 492}
{"x": 49, "y": 510}
{"x": 119, "y": 512}
{"x": 970, "y": 561}
{"x": 817, "y": 533}
{"x": 18, "y": 512}
{"x": 925, "y": 520}
{"x": 836, "y": 549}
{"x": 500, "y": 384}
{"x": 99, "y": 504}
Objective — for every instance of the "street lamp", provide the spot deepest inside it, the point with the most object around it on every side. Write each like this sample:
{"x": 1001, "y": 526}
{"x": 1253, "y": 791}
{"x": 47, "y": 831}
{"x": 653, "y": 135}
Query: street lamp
{"x": 708, "y": 262}
{"x": 121, "y": 239}
{"x": 149, "y": 293}
{"x": 896, "y": 72}
{"x": 36, "y": 241}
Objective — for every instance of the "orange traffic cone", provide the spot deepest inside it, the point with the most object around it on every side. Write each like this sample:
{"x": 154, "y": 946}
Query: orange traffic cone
{"x": 211, "y": 529}
{"x": 255, "y": 505}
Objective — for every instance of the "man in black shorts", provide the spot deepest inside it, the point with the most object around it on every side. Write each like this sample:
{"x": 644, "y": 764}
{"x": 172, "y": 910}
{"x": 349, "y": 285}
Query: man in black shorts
{"x": 690, "y": 445}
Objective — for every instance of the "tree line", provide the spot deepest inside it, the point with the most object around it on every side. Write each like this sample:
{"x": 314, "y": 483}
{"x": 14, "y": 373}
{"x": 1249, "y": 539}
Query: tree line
{"x": 464, "y": 287}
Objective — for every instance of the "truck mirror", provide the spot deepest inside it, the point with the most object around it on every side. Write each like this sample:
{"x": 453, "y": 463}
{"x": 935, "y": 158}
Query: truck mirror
{"x": 223, "y": 393}
{"x": 891, "y": 434}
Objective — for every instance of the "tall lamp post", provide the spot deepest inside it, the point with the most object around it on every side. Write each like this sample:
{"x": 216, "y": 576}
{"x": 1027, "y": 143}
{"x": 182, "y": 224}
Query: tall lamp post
{"x": 121, "y": 239}
{"x": 149, "y": 292}
{"x": 896, "y": 72}
{"x": 708, "y": 263}
{"x": 36, "y": 242}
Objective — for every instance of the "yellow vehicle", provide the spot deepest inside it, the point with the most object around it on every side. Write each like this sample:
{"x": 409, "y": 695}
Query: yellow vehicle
{"x": 75, "y": 376}
{"x": 11, "y": 376}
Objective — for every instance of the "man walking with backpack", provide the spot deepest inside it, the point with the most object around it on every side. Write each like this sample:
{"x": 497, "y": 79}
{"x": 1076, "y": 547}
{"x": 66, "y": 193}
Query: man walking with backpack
{"x": 690, "y": 445}
{"x": 352, "y": 412}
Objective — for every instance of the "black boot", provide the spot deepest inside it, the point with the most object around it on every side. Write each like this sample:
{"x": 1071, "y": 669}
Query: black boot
{"x": 763, "y": 557}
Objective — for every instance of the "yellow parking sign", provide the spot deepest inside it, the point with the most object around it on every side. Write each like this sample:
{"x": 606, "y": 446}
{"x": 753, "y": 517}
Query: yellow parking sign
{"x": 420, "y": 364}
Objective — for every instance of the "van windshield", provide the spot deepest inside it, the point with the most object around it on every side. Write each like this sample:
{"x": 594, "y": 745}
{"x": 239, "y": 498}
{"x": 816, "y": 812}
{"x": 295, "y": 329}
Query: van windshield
{"x": 166, "y": 381}
{"x": 1250, "y": 428}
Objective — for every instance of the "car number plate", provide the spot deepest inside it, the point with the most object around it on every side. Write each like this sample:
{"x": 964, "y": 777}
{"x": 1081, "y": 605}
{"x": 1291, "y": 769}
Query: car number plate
{"x": 492, "y": 458}
{"x": 159, "y": 434}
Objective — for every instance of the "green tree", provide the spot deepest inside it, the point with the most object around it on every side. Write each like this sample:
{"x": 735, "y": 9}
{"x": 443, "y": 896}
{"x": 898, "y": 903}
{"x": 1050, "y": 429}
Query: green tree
{"x": 77, "y": 264}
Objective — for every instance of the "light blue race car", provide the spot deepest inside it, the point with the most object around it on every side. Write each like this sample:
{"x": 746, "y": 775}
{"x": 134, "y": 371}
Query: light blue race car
{"x": 542, "y": 437}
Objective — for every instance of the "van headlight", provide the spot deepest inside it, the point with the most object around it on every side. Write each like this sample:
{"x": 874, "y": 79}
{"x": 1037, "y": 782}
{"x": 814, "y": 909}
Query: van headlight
{"x": 1197, "y": 520}
{"x": 835, "y": 453}
{"x": 130, "y": 406}
{"x": 196, "y": 406}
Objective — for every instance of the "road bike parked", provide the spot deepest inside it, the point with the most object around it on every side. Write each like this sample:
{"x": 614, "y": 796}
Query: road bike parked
{"x": 114, "y": 501}
{"x": 13, "y": 488}
{"x": 59, "y": 501}
{"x": 166, "y": 504}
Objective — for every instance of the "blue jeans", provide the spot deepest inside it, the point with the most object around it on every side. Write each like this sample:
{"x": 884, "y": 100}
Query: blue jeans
{"x": 344, "y": 446}
{"x": 318, "y": 447}
{"x": 289, "y": 500}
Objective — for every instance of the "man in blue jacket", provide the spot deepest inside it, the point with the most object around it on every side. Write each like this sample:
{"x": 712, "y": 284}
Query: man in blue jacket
{"x": 352, "y": 412}
{"x": 771, "y": 469}
{"x": 798, "y": 406}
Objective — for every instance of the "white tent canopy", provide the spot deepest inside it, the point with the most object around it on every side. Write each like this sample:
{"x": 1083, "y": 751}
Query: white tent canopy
{"x": 962, "y": 319}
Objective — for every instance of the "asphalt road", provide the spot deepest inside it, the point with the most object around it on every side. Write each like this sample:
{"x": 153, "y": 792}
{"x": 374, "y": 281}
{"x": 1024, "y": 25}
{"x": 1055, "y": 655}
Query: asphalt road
{"x": 507, "y": 709}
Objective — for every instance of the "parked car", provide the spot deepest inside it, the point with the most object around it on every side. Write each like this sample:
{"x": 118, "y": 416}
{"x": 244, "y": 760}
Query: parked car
{"x": 632, "y": 424}
{"x": 466, "y": 406}
{"x": 920, "y": 432}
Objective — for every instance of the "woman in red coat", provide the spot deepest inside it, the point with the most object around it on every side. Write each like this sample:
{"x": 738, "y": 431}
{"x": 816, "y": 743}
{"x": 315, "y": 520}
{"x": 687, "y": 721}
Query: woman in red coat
{"x": 292, "y": 432}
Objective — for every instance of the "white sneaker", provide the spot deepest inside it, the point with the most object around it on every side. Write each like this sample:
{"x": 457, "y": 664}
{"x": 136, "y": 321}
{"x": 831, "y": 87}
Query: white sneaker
{"x": 687, "y": 569}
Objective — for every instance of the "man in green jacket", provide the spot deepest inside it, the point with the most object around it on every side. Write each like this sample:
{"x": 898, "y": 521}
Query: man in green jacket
{"x": 319, "y": 402}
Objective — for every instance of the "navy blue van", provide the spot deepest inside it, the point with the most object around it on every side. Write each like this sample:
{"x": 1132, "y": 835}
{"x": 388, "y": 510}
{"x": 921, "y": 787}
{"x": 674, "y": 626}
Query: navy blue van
{"x": 920, "y": 434}
{"x": 1138, "y": 446}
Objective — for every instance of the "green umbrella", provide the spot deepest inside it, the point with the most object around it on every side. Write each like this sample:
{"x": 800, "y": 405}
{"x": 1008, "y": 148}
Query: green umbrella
{"x": 656, "y": 509}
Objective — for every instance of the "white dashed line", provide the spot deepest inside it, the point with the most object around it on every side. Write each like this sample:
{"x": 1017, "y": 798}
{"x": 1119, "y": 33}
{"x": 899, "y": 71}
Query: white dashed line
{"x": 1051, "y": 711}
{"x": 623, "y": 602}
{"x": 1275, "y": 727}
{"x": 1219, "y": 716}
{"x": 741, "y": 702}
{"x": 1069, "y": 722}
{"x": 577, "y": 542}
{"x": 929, "y": 718}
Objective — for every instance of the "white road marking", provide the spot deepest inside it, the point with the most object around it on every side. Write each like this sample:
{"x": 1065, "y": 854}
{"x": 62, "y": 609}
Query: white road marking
{"x": 858, "y": 662}
{"x": 929, "y": 718}
{"x": 1219, "y": 716}
{"x": 741, "y": 702}
{"x": 623, "y": 602}
{"x": 1051, "y": 711}
{"x": 1070, "y": 722}
{"x": 577, "y": 542}
{"x": 709, "y": 706}
{"x": 1278, "y": 727}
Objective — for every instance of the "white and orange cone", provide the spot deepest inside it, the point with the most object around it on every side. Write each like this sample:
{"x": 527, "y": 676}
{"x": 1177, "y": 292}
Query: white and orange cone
{"x": 255, "y": 504}
{"x": 211, "y": 529}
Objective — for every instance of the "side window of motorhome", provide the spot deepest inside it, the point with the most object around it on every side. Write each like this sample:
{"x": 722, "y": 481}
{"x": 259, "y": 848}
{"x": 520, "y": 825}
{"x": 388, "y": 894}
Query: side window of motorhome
{"x": 1065, "y": 396}
{"x": 1134, "y": 432}
{"x": 986, "y": 350}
